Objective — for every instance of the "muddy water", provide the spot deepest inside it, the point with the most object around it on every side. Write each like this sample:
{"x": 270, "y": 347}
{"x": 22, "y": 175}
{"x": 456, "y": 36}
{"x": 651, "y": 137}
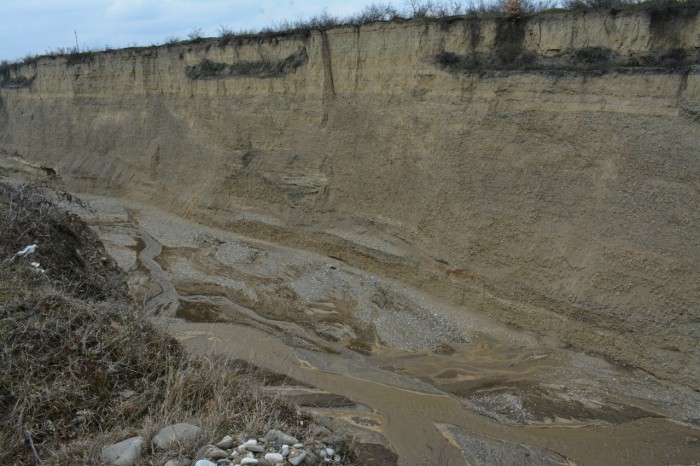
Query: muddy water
{"x": 391, "y": 364}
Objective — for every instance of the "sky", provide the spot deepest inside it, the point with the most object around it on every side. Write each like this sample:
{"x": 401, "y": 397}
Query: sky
{"x": 30, "y": 27}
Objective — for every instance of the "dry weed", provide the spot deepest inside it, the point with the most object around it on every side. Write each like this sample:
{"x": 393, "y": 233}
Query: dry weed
{"x": 80, "y": 367}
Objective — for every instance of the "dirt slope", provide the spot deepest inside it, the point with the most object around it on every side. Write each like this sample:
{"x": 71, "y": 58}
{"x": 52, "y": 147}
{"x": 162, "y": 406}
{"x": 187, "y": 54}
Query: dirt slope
{"x": 541, "y": 170}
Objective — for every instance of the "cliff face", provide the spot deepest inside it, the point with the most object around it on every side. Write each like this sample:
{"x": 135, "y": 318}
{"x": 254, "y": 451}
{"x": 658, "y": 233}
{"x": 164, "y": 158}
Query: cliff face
{"x": 543, "y": 170}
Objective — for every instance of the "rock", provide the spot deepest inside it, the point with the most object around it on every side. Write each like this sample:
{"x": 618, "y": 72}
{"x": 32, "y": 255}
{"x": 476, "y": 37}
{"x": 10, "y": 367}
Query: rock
{"x": 216, "y": 453}
{"x": 285, "y": 450}
{"x": 224, "y": 462}
{"x": 274, "y": 457}
{"x": 225, "y": 443}
{"x": 124, "y": 453}
{"x": 204, "y": 463}
{"x": 264, "y": 462}
{"x": 179, "y": 462}
{"x": 280, "y": 437}
{"x": 245, "y": 461}
{"x": 175, "y": 433}
{"x": 296, "y": 457}
{"x": 336, "y": 443}
{"x": 311, "y": 459}
{"x": 203, "y": 452}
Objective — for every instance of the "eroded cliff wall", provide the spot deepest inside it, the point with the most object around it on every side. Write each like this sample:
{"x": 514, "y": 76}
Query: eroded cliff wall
{"x": 544, "y": 170}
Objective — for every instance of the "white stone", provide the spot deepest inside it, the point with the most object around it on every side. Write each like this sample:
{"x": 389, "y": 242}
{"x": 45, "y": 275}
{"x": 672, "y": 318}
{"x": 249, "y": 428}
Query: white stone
{"x": 245, "y": 461}
{"x": 274, "y": 458}
{"x": 175, "y": 433}
{"x": 204, "y": 463}
{"x": 285, "y": 450}
{"x": 124, "y": 453}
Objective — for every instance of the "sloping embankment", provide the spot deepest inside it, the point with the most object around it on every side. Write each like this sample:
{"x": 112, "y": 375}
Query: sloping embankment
{"x": 542, "y": 170}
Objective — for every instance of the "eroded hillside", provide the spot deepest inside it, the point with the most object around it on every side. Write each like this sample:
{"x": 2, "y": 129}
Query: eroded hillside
{"x": 543, "y": 171}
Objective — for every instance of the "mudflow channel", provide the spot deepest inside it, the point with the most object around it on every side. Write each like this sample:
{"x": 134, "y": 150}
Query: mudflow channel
{"x": 391, "y": 365}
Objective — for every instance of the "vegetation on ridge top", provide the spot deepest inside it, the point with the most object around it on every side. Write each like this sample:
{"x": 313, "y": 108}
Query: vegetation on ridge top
{"x": 378, "y": 12}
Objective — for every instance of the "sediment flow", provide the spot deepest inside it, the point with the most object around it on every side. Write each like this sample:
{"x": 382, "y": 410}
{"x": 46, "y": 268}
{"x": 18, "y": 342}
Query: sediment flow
{"x": 542, "y": 172}
{"x": 397, "y": 369}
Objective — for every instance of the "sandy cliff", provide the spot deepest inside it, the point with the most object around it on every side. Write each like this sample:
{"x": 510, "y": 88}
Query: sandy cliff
{"x": 544, "y": 170}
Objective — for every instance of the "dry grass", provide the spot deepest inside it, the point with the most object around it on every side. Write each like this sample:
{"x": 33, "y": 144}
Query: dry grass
{"x": 80, "y": 367}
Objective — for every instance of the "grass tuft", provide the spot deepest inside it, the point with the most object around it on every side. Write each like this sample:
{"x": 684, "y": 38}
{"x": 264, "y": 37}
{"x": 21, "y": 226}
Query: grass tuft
{"x": 81, "y": 367}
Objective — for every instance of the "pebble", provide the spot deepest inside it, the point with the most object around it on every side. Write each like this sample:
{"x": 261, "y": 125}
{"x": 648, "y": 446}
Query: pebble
{"x": 280, "y": 437}
{"x": 124, "y": 453}
{"x": 285, "y": 450}
{"x": 202, "y": 453}
{"x": 204, "y": 463}
{"x": 225, "y": 443}
{"x": 296, "y": 457}
{"x": 245, "y": 461}
{"x": 216, "y": 453}
{"x": 180, "y": 462}
{"x": 274, "y": 457}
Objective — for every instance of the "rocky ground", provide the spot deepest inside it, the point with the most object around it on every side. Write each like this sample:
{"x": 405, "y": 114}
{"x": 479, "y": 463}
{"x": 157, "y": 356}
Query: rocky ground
{"x": 274, "y": 448}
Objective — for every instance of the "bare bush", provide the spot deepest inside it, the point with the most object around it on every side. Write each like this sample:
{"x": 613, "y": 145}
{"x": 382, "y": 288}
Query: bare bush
{"x": 195, "y": 35}
{"x": 376, "y": 12}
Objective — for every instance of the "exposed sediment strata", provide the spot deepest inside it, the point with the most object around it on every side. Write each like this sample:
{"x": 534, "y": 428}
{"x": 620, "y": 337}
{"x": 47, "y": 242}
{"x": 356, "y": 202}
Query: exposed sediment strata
{"x": 544, "y": 171}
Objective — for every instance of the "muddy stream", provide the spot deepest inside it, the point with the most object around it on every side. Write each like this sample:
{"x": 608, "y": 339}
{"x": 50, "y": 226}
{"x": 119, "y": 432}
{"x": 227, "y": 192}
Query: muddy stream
{"x": 391, "y": 365}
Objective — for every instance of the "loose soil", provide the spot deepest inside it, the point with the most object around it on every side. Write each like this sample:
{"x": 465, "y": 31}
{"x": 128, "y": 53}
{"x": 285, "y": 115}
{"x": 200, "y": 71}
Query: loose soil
{"x": 392, "y": 364}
